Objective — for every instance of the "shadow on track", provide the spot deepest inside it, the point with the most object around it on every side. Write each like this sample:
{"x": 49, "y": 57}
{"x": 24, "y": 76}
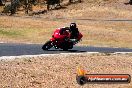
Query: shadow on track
{"x": 70, "y": 50}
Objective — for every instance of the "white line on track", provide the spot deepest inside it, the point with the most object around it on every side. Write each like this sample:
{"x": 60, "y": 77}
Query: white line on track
{"x": 25, "y": 56}
{"x": 6, "y": 58}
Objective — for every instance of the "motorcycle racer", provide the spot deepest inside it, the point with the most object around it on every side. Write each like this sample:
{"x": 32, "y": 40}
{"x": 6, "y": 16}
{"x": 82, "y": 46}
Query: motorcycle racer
{"x": 64, "y": 38}
{"x": 74, "y": 30}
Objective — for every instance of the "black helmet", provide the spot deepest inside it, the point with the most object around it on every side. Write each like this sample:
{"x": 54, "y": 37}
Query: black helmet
{"x": 73, "y": 25}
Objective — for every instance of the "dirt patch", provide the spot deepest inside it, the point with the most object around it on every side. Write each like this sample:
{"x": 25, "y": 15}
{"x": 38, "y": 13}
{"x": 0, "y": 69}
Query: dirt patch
{"x": 60, "y": 70}
{"x": 101, "y": 9}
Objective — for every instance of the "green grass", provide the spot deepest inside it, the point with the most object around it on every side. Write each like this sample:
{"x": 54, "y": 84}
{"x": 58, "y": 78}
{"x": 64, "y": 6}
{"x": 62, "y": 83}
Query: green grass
{"x": 37, "y": 31}
{"x": 26, "y": 34}
{"x": 10, "y": 33}
{"x": 35, "y": 35}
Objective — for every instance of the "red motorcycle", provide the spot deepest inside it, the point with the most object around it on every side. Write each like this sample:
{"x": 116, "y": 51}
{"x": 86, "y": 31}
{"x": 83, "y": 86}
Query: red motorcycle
{"x": 61, "y": 39}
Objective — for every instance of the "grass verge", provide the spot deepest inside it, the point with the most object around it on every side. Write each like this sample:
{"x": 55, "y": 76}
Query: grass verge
{"x": 37, "y": 30}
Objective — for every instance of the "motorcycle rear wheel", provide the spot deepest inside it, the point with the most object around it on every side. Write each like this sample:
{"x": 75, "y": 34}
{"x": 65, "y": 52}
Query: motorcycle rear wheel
{"x": 65, "y": 49}
{"x": 47, "y": 45}
{"x": 67, "y": 46}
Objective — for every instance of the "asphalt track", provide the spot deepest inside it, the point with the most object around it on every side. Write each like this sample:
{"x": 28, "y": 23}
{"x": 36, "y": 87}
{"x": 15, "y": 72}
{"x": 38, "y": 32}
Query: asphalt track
{"x": 8, "y": 49}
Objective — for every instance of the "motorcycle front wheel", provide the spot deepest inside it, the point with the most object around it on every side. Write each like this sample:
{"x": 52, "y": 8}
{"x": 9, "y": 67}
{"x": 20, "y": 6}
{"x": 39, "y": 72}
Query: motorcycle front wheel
{"x": 47, "y": 45}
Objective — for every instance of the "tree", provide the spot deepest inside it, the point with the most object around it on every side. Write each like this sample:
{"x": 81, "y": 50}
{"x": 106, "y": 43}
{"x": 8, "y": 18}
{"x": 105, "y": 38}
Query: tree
{"x": 2, "y": 2}
{"x": 52, "y": 3}
{"x": 28, "y": 5}
{"x": 71, "y": 1}
{"x": 11, "y": 7}
{"x": 130, "y": 2}
{"x": 14, "y": 6}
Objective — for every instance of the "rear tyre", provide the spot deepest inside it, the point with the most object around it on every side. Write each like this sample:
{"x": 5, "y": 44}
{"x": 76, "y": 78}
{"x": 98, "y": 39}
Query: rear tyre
{"x": 67, "y": 45}
{"x": 47, "y": 45}
{"x": 65, "y": 49}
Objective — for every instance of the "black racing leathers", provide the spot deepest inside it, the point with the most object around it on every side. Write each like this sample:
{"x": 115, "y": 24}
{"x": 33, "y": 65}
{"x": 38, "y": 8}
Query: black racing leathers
{"x": 74, "y": 33}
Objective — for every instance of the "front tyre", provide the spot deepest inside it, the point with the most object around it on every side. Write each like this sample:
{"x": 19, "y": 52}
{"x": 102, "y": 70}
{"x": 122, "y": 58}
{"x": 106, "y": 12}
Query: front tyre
{"x": 47, "y": 45}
